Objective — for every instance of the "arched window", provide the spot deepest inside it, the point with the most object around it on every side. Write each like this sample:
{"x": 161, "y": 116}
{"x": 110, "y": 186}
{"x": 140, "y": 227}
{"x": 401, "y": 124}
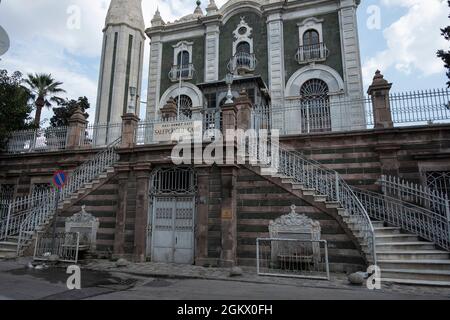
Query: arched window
{"x": 183, "y": 60}
{"x": 185, "y": 105}
{"x": 310, "y": 37}
{"x": 243, "y": 46}
{"x": 315, "y": 106}
{"x": 311, "y": 44}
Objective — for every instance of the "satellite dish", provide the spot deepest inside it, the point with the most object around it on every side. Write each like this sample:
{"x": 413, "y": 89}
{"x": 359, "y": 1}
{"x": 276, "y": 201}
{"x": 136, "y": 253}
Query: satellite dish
{"x": 4, "y": 41}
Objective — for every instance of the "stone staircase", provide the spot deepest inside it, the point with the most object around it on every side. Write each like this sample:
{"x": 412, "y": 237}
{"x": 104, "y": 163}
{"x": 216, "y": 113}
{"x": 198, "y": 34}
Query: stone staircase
{"x": 87, "y": 178}
{"x": 406, "y": 259}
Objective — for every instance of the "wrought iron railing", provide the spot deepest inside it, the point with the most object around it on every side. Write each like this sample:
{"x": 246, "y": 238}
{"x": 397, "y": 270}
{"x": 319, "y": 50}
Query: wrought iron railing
{"x": 100, "y": 135}
{"x": 417, "y": 220}
{"x": 324, "y": 182}
{"x": 185, "y": 72}
{"x": 313, "y": 52}
{"x": 419, "y": 107}
{"x": 39, "y": 140}
{"x": 428, "y": 198}
{"x": 242, "y": 61}
{"x": 65, "y": 245}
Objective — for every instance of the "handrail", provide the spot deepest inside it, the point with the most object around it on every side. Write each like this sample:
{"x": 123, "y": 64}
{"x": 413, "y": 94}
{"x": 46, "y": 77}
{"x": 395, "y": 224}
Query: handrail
{"x": 409, "y": 192}
{"x": 412, "y": 218}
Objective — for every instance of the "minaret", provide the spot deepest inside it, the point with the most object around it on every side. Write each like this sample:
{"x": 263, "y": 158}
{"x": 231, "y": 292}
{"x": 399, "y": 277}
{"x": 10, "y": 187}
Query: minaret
{"x": 120, "y": 80}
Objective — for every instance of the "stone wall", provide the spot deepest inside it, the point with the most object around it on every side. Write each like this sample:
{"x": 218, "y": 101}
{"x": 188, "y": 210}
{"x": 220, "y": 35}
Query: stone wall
{"x": 259, "y": 202}
{"x": 361, "y": 157}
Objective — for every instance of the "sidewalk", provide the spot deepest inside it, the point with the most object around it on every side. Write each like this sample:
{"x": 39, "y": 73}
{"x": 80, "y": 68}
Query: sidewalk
{"x": 174, "y": 271}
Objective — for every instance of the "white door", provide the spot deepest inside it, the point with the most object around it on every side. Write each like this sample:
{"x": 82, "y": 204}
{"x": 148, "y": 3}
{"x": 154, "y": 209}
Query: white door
{"x": 173, "y": 229}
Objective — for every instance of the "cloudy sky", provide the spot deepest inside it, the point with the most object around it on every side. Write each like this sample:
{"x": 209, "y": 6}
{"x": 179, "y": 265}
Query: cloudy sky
{"x": 399, "y": 37}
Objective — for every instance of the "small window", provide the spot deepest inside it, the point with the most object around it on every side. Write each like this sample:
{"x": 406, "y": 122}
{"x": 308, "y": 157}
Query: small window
{"x": 211, "y": 100}
{"x": 183, "y": 63}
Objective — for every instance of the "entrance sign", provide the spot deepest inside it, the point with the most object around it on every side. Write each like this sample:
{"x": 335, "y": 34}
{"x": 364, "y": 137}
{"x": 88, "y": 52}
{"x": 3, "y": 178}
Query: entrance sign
{"x": 163, "y": 132}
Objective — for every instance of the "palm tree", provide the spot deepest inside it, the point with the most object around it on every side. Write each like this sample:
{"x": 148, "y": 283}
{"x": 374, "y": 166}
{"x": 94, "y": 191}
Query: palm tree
{"x": 43, "y": 91}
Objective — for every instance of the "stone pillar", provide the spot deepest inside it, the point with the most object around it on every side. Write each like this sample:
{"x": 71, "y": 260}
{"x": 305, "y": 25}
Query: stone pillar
{"x": 229, "y": 114}
{"x": 244, "y": 111}
{"x": 228, "y": 255}
{"x": 142, "y": 171}
{"x": 275, "y": 42}
{"x": 201, "y": 221}
{"x": 169, "y": 111}
{"x": 379, "y": 91}
{"x": 76, "y": 130}
{"x": 129, "y": 127}
{"x": 121, "y": 214}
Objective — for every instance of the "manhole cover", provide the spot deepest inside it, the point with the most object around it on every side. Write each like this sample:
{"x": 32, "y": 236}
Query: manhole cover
{"x": 158, "y": 283}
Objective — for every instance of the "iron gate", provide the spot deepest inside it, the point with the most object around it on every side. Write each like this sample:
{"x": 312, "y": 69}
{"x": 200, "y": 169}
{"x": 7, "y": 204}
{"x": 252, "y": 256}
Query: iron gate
{"x": 173, "y": 215}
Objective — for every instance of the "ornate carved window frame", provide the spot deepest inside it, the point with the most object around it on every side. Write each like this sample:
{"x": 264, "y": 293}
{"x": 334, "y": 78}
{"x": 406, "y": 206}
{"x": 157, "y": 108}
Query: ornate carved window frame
{"x": 182, "y": 46}
{"x": 310, "y": 24}
{"x": 243, "y": 37}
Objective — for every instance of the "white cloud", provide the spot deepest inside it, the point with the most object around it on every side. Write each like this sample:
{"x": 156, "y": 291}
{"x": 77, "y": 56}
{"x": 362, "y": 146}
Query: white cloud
{"x": 412, "y": 40}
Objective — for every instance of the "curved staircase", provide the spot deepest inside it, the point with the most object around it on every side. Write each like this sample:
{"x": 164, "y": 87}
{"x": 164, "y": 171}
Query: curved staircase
{"x": 31, "y": 214}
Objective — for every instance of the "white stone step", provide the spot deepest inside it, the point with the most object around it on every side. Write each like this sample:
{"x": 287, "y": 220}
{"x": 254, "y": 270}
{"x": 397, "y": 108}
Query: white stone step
{"x": 415, "y": 264}
{"x": 418, "y": 282}
{"x": 320, "y": 198}
{"x": 8, "y": 245}
{"x": 387, "y": 230}
{"x": 7, "y": 253}
{"x": 423, "y": 275}
{"x": 296, "y": 186}
{"x": 403, "y": 246}
{"x": 413, "y": 255}
{"x": 309, "y": 192}
{"x": 396, "y": 238}
{"x": 332, "y": 205}
{"x": 378, "y": 224}
{"x": 288, "y": 181}
{"x": 110, "y": 170}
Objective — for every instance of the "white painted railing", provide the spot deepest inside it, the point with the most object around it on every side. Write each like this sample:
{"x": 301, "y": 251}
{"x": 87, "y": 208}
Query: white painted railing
{"x": 28, "y": 213}
{"x": 417, "y": 220}
{"x": 185, "y": 72}
{"x": 328, "y": 183}
{"x": 39, "y": 140}
{"x": 313, "y": 52}
{"x": 242, "y": 61}
{"x": 428, "y": 198}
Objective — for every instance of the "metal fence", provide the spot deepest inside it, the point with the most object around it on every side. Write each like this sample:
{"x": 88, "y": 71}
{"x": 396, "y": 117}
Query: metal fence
{"x": 100, "y": 135}
{"x": 292, "y": 258}
{"x": 420, "y": 107}
{"x": 39, "y": 140}
{"x": 419, "y": 195}
{"x": 297, "y": 116}
{"x": 64, "y": 244}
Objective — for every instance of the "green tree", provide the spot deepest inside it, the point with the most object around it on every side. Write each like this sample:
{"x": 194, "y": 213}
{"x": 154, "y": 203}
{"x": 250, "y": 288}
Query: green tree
{"x": 62, "y": 114}
{"x": 43, "y": 91}
{"x": 445, "y": 54}
{"x": 14, "y": 108}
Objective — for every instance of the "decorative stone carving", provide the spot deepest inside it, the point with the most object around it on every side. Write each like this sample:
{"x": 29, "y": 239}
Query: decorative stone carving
{"x": 87, "y": 226}
{"x": 295, "y": 226}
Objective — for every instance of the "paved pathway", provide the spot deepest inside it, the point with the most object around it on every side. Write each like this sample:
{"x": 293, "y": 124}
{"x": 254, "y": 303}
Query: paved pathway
{"x": 103, "y": 280}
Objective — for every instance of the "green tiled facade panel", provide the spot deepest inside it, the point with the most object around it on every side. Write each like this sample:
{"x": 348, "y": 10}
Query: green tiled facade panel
{"x": 259, "y": 35}
{"x": 331, "y": 38}
{"x": 198, "y": 59}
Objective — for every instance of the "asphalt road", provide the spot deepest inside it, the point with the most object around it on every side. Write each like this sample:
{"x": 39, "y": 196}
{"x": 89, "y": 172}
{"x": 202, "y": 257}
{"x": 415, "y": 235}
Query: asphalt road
{"x": 50, "y": 284}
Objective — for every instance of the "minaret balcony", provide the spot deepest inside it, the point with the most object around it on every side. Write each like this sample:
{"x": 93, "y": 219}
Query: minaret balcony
{"x": 242, "y": 63}
{"x": 182, "y": 72}
{"x": 312, "y": 53}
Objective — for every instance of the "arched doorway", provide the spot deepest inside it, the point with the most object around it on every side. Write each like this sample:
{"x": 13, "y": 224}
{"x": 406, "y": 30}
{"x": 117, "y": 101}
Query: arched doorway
{"x": 172, "y": 215}
{"x": 315, "y": 106}
{"x": 185, "y": 104}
